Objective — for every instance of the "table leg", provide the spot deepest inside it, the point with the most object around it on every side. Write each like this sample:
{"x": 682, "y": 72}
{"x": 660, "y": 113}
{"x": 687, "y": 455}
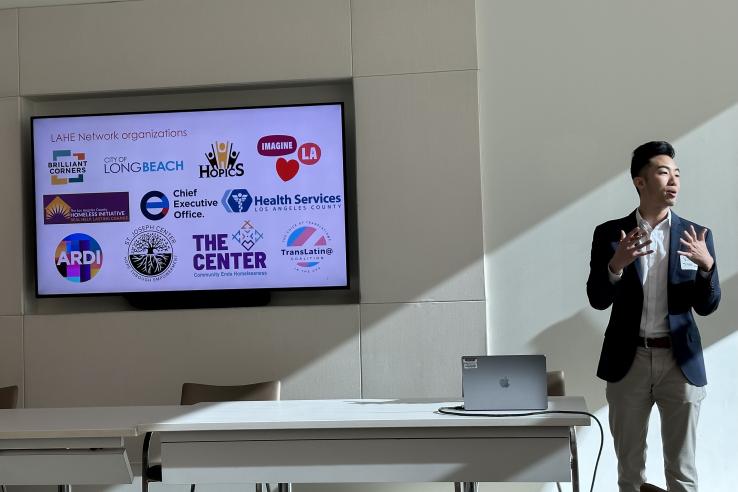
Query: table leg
{"x": 64, "y": 488}
{"x": 574, "y": 459}
{"x": 466, "y": 486}
{"x": 284, "y": 487}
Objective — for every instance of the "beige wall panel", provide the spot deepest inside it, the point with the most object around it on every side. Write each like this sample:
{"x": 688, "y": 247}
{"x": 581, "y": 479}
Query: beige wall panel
{"x": 8, "y": 52}
{"x": 144, "y": 357}
{"x": 11, "y": 201}
{"x": 566, "y": 94}
{"x": 180, "y": 43}
{"x": 11, "y": 353}
{"x": 414, "y": 350}
{"x": 391, "y": 37}
{"x": 418, "y": 187}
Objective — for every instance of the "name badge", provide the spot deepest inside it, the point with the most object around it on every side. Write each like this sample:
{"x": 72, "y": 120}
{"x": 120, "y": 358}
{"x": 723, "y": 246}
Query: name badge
{"x": 687, "y": 264}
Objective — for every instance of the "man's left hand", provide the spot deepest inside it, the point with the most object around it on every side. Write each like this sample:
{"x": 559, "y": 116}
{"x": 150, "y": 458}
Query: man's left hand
{"x": 696, "y": 248}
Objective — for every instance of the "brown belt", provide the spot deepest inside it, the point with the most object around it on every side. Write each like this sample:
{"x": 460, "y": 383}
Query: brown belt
{"x": 662, "y": 342}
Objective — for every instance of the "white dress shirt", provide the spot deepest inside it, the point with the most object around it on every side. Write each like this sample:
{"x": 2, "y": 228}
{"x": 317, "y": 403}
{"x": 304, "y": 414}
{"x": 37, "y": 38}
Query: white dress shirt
{"x": 655, "y": 270}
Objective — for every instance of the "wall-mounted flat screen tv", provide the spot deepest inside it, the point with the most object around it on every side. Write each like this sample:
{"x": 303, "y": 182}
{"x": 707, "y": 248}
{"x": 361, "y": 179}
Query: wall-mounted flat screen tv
{"x": 250, "y": 198}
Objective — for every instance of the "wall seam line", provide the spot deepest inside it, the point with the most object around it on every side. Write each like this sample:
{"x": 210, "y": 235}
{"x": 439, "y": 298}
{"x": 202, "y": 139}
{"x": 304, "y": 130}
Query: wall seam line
{"x": 421, "y": 302}
{"x": 415, "y": 73}
{"x": 361, "y": 357}
{"x": 23, "y": 361}
{"x": 17, "y": 41}
{"x": 351, "y": 35}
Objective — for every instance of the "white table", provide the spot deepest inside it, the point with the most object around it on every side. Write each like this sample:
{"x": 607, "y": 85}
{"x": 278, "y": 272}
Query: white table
{"x": 297, "y": 441}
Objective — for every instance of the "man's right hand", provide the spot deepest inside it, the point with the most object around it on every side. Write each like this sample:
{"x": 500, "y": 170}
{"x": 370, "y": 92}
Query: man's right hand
{"x": 629, "y": 249}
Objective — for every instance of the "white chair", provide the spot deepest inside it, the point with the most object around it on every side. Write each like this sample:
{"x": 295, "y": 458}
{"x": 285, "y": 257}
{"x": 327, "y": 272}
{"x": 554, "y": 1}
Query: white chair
{"x": 199, "y": 393}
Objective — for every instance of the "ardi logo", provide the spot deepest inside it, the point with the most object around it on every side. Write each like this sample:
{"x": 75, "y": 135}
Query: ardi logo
{"x": 78, "y": 257}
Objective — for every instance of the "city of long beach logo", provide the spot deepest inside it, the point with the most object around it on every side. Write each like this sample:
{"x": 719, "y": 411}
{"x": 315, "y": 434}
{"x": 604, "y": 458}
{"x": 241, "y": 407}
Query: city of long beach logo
{"x": 150, "y": 253}
{"x": 222, "y": 162}
{"x": 67, "y": 167}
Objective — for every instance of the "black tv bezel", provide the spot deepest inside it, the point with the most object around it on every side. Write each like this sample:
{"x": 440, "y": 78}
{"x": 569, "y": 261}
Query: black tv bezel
{"x": 168, "y": 294}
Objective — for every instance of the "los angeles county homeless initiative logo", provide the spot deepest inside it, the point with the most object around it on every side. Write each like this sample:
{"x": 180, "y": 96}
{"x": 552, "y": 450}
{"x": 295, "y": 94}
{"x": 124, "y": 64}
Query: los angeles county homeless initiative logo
{"x": 81, "y": 208}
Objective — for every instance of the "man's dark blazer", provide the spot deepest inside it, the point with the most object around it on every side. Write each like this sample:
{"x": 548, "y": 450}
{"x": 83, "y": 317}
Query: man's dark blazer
{"x": 686, "y": 291}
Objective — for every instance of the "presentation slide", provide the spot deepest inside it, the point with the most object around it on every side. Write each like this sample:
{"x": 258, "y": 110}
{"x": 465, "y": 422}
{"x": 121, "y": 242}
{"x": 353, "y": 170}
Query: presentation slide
{"x": 190, "y": 200}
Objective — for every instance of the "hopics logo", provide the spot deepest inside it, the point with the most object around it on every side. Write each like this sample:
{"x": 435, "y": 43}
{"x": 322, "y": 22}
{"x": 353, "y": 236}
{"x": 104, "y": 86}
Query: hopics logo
{"x": 150, "y": 253}
{"x": 78, "y": 258}
{"x": 222, "y": 162}
{"x": 67, "y": 167}
{"x": 283, "y": 145}
{"x": 307, "y": 245}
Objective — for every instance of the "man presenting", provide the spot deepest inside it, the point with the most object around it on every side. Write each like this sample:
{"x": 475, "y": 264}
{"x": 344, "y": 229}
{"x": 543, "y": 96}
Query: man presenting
{"x": 654, "y": 268}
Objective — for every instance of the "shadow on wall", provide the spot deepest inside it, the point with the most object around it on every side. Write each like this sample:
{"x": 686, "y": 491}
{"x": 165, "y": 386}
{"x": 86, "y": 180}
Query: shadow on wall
{"x": 568, "y": 345}
{"x": 574, "y": 344}
{"x": 536, "y": 277}
{"x": 564, "y": 99}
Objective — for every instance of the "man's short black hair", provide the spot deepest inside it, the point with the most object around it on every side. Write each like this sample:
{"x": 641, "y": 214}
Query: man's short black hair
{"x": 643, "y": 154}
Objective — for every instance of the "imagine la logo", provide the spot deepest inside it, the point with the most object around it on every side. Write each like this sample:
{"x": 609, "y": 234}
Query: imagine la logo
{"x": 58, "y": 209}
{"x": 59, "y": 166}
{"x": 222, "y": 162}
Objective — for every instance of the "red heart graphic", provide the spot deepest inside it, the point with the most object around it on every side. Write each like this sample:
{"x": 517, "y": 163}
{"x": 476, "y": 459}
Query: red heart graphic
{"x": 287, "y": 169}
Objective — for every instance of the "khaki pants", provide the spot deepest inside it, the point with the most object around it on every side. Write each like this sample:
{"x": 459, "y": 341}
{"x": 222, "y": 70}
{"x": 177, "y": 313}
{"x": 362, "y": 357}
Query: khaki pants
{"x": 655, "y": 377}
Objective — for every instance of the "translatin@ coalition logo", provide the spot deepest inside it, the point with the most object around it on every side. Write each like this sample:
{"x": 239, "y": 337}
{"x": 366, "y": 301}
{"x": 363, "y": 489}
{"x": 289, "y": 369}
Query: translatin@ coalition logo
{"x": 78, "y": 257}
{"x": 150, "y": 253}
{"x": 306, "y": 245}
{"x": 154, "y": 205}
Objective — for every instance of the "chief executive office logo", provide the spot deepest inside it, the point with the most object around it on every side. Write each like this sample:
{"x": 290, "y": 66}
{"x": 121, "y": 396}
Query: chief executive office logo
{"x": 222, "y": 162}
{"x": 67, "y": 167}
{"x": 150, "y": 253}
{"x": 237, "y": 201}
{"x": 78, "y": 257}
{"x": 307, "y": 245}
{"x": 154, "y": 205}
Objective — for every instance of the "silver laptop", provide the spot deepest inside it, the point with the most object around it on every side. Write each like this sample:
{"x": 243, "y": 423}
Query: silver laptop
{"x": 504, "y": 382}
